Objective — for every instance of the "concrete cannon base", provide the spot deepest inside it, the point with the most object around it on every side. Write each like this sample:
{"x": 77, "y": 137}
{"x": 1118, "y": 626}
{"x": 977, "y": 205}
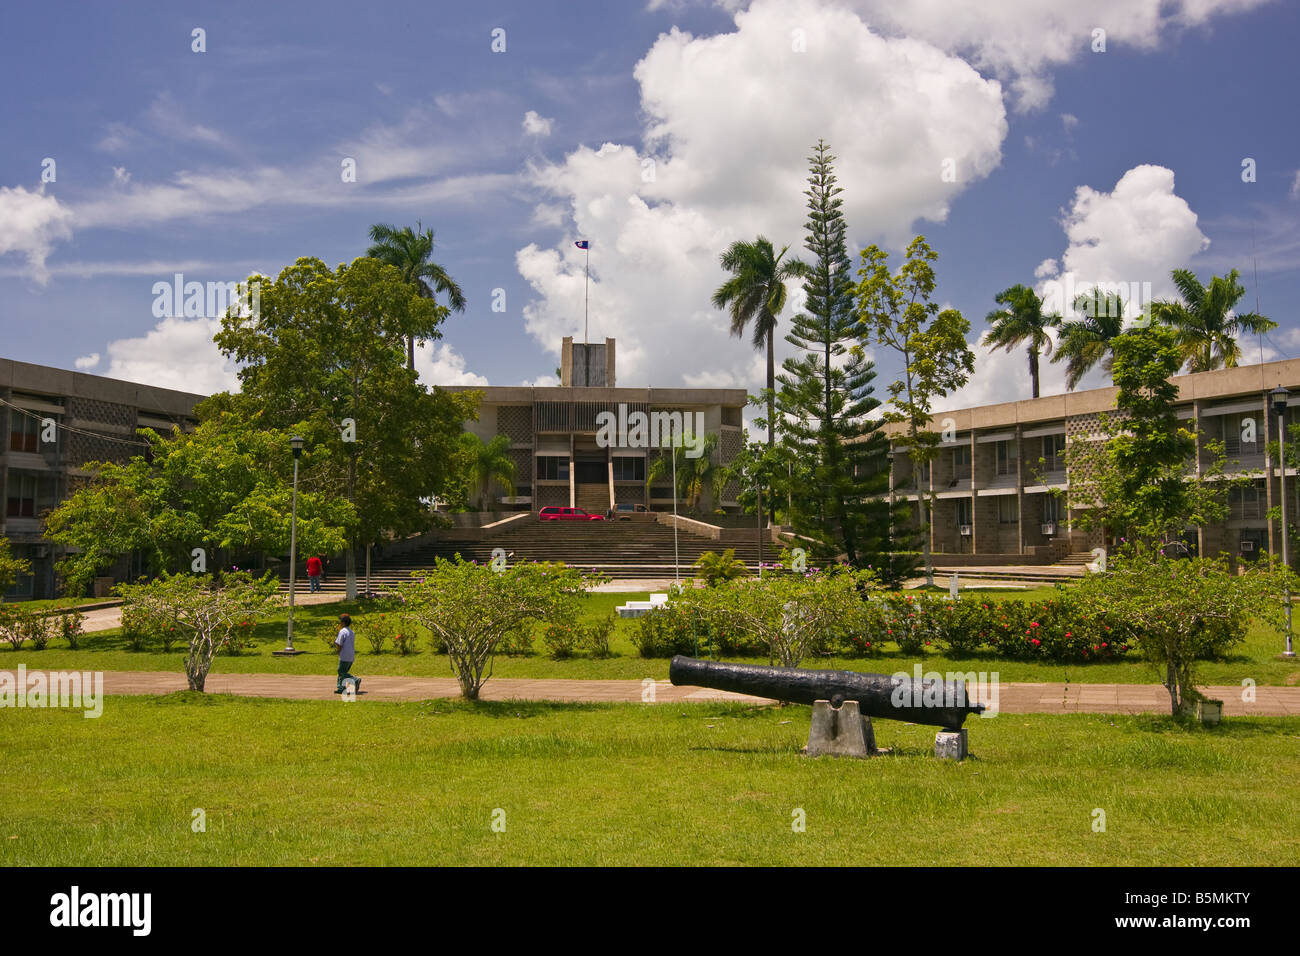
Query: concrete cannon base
{"x": 840, "y": 731}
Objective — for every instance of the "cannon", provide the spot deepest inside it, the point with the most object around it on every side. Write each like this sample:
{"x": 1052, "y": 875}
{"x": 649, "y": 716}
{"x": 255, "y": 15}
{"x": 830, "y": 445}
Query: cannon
{"x": 939, "y": 703}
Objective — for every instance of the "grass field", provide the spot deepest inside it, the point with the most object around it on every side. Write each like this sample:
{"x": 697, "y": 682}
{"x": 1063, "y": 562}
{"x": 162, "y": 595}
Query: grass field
{"x": 1257, "y": 658}
{"x": 330, "y": 783}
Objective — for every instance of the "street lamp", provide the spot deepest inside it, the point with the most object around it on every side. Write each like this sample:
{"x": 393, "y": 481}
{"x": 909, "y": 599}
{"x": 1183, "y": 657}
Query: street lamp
{"x": 296, "y": 443}
{"x": 1279, "y": 398}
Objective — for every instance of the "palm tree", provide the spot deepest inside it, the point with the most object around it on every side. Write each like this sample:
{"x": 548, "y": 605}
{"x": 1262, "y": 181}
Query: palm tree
{"x": 488, "y": 462}
{"x": 1088, "y": 342}
{"x": 1207, "y": 327}
{"x": 694, "y": 475}
{"x": 756, "y": 292}
{"x": 409, "y": 250}
{"x": 1023, "y": 320}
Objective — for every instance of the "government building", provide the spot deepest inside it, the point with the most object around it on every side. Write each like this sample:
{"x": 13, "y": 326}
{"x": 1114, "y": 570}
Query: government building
{"x": 564, "y": 457}
{"x": 994, "y": 477}
{"x": 56, "y": 421}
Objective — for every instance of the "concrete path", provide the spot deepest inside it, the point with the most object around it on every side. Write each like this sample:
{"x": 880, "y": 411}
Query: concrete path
{"x": 1011, "y": 699}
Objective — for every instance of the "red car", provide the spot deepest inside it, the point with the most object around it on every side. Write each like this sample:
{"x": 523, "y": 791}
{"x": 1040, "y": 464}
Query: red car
{"x": 568, "y": 514}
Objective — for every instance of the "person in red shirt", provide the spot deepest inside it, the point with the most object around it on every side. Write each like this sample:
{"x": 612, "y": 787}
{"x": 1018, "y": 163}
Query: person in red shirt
{"x": 313, "y": 573}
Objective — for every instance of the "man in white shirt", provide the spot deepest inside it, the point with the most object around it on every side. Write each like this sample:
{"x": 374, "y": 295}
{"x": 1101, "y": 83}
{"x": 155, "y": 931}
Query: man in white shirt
{"x": 345, "y": 645}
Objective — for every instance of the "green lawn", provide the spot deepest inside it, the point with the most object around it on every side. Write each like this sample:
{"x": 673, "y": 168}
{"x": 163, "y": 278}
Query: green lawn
{"x": 1256, "y": 659}
{"x": 333, "y": 783}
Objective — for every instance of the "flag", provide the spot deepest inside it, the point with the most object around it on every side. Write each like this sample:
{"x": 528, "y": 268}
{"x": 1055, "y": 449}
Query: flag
{"x": 583, "y": 244}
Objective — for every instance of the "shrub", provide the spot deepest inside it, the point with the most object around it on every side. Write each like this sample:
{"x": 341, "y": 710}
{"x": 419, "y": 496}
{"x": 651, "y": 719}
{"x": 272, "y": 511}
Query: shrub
{"x": 596, "y": 636}
{"x": 561, "y": 638}
{"x": 137, "y": 627}
{"x": 667, "y": 630}
{"x": 718, "y": 569}
{"x": 241, "y": 637}
{"x": 377, "y": 630}
{"x": 39, "y": 628}
{"x": 404, "y": 637}
{"x": 71, "y": 626}
{"x": 518, "y": 643}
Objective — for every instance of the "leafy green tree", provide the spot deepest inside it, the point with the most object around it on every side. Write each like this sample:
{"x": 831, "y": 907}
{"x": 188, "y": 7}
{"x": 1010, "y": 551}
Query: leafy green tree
{"x": 410, "y": 251}
{"x": 1134, "y": 483}
{"x": 225, "y": 487}
{"x": 895, "y": 311}
{"x": 208, "y": 611}
{"x": 1176, "y": 612}
{"x": 324, "y": 358}
{"x": 471, "y": 609}
{"x": 756, "y": 294}
{"x": 1088, "y": 342}
{"x": 1206, "y": 324}
{"x": 1023, "y": 320}
{"x": 10, "y": 567}
{"x": 826, "y": 402}
{"x": 489, "y": 462}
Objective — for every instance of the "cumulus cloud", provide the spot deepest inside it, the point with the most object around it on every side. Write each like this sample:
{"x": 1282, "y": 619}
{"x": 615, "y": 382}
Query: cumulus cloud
{"x": 535, "y": 125}
{"x": 87, "y": 361}
{"x": 1132, "y": 236}
{"x": 729, "y": 124}
{"x": 176, "y": 353}
{"x": 440, "y": 364}
{"x": 1023, "y": 41}
{"x": 30, "y": 224}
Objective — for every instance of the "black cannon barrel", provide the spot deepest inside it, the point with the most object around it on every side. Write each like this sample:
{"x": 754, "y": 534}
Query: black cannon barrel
{"x": 937, "y": 702}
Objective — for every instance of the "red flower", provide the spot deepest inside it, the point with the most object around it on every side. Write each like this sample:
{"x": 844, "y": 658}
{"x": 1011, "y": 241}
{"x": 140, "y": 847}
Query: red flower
{"x": 1033, "y": 623}
{"x": 1035, "y": 641}
{"x": 1068, "y": 634}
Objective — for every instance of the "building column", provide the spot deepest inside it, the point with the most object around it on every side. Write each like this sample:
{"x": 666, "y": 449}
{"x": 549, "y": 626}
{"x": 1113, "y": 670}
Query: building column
{"x": 573, "y": 475}
{"x": 1020, "y": 492}
{"x": 609, "y": 462}
{"x": 1274, "y": 543}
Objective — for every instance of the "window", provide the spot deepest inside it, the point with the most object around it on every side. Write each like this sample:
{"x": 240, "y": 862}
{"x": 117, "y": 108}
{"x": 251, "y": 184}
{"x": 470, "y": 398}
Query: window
{"x": 22, "y": 496}
{"x": 1008, "y": 509}
{"x": 1245, "y": 503}
{"x": 963, "y": 511}
{"x": 1054, "y": 453}
{"x": 1007, "y": 454}
{"x": 24, "y": 431}
{"x": 629, "y": 469}
{"x": 1051, "y": 509}
{"x": 552, "y": 468}
{"x": 961, "y": 462}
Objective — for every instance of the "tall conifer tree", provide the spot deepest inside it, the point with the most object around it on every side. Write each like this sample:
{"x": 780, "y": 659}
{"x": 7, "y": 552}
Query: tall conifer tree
{"x": 825, "y": 398}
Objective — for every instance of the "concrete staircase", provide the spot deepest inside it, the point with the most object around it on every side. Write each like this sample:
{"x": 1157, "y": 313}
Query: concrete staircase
{"x": 636, "y": 548}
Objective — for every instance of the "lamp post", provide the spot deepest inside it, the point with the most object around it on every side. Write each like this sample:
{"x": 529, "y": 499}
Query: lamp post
{"x": 677, "y": 562}
{"x": 1279, "y": 397}
{"x": 296, "y": 443}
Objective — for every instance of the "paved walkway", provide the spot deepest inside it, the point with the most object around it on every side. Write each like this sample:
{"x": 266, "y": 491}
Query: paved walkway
{"x": 1012, "y": 698}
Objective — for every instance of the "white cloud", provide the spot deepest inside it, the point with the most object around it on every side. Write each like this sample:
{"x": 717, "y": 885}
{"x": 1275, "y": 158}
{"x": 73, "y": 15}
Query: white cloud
{"x": 121, "y": 176}
{"x": 1069, "y": 121}
{"x": 730, "y": 121}
{"x": 542, "y": 381}
{"x": 535, "y": 125}
{"x": 87, "y": 361}
{"x": 30, "y": 224}
{"x": 1135, "y": 235}
{"x": 117, "y": 138}
{"x": 168, "y": 117}
{"x": 175, "y": 353}
{"x": 440, "y": 364}
{"x": 1022, "y": 41}
{"x": 1295, "y": 185}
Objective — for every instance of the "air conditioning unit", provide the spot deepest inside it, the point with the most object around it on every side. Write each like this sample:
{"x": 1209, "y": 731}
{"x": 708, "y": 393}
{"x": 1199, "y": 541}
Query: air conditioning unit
{"x": 1049, "y": 529}
{"x": 965, "y": 530}
{"x": 1247, "y": 546}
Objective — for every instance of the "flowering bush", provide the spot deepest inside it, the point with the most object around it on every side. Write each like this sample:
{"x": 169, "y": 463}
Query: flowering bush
{"x": 596, "y": 636}
{"x": 71, "y": 626}
{"x": 669, "y": 629}
{"x": 241, "y": 637}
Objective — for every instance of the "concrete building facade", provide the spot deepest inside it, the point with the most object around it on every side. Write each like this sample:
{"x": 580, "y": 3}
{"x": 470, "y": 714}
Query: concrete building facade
{"x": 999, "y": 465}
{"x": 561, "y": 457}
{"x": 54, "y": 422}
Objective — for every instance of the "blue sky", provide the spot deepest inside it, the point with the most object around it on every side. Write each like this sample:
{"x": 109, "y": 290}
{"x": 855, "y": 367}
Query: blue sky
{"x": 660, "y": 132}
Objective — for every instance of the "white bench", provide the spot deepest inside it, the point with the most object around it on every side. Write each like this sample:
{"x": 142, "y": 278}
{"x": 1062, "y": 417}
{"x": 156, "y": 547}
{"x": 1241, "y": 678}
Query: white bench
{"x": 640, "y": 608}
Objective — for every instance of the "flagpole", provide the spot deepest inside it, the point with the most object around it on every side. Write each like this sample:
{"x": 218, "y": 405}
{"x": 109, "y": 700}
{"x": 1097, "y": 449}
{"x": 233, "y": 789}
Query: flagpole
{"x": 586, "y": 292}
